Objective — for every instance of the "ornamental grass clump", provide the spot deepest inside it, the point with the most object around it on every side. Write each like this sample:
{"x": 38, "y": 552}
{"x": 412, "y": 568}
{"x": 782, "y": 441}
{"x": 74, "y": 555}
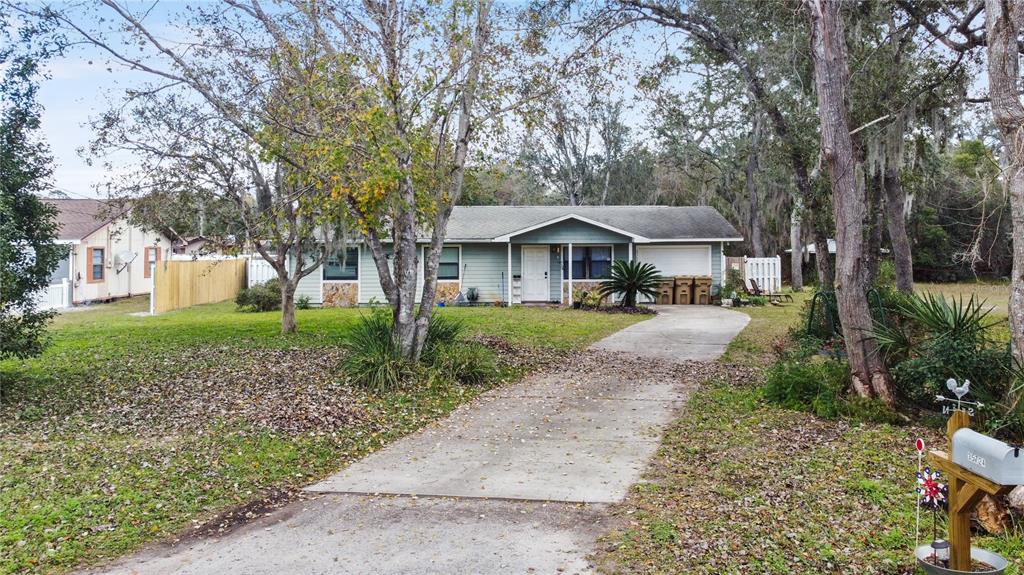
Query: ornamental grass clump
{"x": 375, "y": 361}
{"x": 374, "y": 358}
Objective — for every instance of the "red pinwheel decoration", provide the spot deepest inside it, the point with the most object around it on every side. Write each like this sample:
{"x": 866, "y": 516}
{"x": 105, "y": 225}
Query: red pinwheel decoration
{"x": 930, "y": 489}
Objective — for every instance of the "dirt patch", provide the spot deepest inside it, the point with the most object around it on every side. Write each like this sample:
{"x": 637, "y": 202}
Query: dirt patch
{"x": 231, "y": 519}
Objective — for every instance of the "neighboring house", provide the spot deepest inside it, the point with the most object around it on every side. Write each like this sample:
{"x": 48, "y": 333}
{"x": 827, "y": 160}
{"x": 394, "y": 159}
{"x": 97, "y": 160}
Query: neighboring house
{"x": 194, "y": 245}
{"x": 107, "y": 258}
{"x": 521, "y": 253}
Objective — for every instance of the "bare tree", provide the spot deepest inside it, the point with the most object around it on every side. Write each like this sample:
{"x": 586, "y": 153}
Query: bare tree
{"x": 828, "y": 46}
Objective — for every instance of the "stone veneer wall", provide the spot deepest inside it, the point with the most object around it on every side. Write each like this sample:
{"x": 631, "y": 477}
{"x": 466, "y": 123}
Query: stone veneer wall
{"x": 447, "y": 291}
{"x": 340, "y": 294}
{"x": 584, "y": 285}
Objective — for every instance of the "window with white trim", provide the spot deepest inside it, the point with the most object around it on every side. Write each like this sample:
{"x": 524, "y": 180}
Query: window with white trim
{"x": 337, "y": 267}
{"x": 588, "y": 263}
{"x": 448, "y": 265}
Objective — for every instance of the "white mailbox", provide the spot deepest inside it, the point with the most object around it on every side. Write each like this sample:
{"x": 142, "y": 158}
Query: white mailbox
{"x": 988, "y": 457}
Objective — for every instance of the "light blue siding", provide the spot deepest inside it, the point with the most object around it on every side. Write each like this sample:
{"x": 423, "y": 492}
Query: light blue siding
{"x": 716, "y": 267}
{"x": 570, "y": 231}
{"x": 369, "y": 279}
{"x": 555, "y": 275}
{"x": 485, "y": 267}
{"x": 309, "y": 286}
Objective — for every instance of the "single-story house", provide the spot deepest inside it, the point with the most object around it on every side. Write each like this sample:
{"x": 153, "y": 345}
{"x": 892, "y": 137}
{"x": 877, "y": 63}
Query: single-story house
{"x": 107, "y": 258}
{"x": 521, "y": 254}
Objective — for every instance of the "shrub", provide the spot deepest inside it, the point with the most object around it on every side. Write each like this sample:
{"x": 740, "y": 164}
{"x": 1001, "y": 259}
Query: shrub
{"x": 886, "y": 277}
{"x": 759, "y": 301}
{"x": 587, "y": 299}
{"x": 302, "y": 302}
{"x": 260, "y": 297}
{"x": 810, "y": 385}
{"x": 817, "y": 386}
{"x": 468, "y": 363}
{"x": 733, "y": 283}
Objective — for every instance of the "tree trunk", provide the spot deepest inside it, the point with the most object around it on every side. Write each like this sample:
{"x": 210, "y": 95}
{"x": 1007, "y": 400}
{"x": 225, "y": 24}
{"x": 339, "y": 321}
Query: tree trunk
{"x": 874, "y": 246}
{"x": 823, "y": 261}
{"x": 752, "y": 194}
{"x": 1002, "y": 30}
{"x": 828, "y": 46}
{"x": 896, "y": 218}
{"x": 288, "y": 306}
{"x": 796, "y": 259}
{"x": 448, "y": 200}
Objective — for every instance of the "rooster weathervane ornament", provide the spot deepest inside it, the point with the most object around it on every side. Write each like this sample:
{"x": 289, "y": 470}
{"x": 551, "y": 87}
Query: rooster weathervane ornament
{"x": 959, "y": 390}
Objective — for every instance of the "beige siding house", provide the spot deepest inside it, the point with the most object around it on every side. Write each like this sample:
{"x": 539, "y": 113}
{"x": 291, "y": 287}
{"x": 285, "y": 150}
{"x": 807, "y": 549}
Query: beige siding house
{"x": 108, "y": 258}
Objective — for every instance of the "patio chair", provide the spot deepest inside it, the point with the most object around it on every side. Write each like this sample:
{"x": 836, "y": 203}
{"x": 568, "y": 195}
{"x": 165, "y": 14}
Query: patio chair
{"x": 772, "y": 297}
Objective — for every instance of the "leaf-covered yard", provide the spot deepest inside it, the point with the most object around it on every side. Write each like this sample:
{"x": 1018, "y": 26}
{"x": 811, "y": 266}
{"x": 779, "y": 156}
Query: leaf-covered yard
{"x": 129, "y": 429}
{"x": 741, "y": 485}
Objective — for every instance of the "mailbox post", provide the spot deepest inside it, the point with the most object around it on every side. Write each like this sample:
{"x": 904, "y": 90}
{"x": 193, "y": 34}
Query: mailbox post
{"x": 966, "y": 489}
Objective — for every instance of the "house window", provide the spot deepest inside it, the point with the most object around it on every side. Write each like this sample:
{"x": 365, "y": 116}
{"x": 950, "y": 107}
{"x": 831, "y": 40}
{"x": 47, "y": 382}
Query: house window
{"x": 448, "y": 265}
{"x": 96, "y": 264}
{"x": 338, "y": 268}
{"x": 589, "y": 263}
{"x": 152, "y": 255}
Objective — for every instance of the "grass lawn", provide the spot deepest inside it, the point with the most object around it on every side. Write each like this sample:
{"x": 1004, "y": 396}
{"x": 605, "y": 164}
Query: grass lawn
{"x": 129, "y": 429}
{"x": 740, "y": 485}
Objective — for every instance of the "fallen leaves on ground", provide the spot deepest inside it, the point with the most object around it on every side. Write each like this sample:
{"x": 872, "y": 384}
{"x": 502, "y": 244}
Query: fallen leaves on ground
{"x": 741, "y": 486}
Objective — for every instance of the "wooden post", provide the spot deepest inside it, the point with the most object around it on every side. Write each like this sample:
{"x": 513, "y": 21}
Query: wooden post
{"x": 959, "y": 516}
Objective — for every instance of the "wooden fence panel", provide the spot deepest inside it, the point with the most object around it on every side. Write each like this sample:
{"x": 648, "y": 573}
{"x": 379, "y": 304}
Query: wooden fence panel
{"x": 181, "y": 284}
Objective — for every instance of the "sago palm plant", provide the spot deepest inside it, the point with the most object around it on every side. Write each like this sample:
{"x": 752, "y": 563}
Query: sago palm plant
{"x": 631, "y": 279}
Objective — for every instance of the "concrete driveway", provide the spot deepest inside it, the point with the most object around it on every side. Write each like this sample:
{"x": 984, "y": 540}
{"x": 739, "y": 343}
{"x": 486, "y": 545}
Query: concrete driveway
{"x": 679, "y": 333}
{"x": 516, "y": 482}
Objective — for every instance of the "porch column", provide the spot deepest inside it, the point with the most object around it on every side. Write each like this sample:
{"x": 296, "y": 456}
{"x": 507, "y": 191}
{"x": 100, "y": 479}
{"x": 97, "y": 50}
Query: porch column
{"x": 508, "y": 283}
{"x": 629, "y": 253}
{"x": 569, "y": 266}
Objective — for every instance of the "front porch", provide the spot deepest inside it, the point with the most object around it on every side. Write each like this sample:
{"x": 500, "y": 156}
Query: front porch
{"x": 541, "y": 272}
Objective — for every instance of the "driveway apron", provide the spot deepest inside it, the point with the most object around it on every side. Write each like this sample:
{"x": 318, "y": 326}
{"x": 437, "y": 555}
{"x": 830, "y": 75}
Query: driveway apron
{"x": 515, "y": 482}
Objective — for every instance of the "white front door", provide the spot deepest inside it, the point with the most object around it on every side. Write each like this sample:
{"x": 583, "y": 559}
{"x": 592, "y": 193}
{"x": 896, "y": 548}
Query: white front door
{"x": 536, "y": 267}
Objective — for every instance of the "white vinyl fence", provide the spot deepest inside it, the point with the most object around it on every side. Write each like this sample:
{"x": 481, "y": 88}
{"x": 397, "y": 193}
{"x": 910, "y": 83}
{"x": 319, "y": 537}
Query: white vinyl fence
{"x": 56, "y": 296}
{"x": 767, "y": 272}
{"x": 259, "y": 271}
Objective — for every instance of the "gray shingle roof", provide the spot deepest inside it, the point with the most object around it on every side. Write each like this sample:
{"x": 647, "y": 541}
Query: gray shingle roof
{"x": 79, "y": 218}
{"x": 651, "y": 222}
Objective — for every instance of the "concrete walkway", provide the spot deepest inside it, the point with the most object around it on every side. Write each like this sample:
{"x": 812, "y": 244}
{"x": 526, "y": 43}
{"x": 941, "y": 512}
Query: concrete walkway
{"x": 516, "y": 482}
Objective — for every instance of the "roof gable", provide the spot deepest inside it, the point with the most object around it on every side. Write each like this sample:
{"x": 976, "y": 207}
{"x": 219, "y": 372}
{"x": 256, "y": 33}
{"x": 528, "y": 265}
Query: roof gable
{"x": 78, "y": 218}
{"x": 565, "y": 219}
